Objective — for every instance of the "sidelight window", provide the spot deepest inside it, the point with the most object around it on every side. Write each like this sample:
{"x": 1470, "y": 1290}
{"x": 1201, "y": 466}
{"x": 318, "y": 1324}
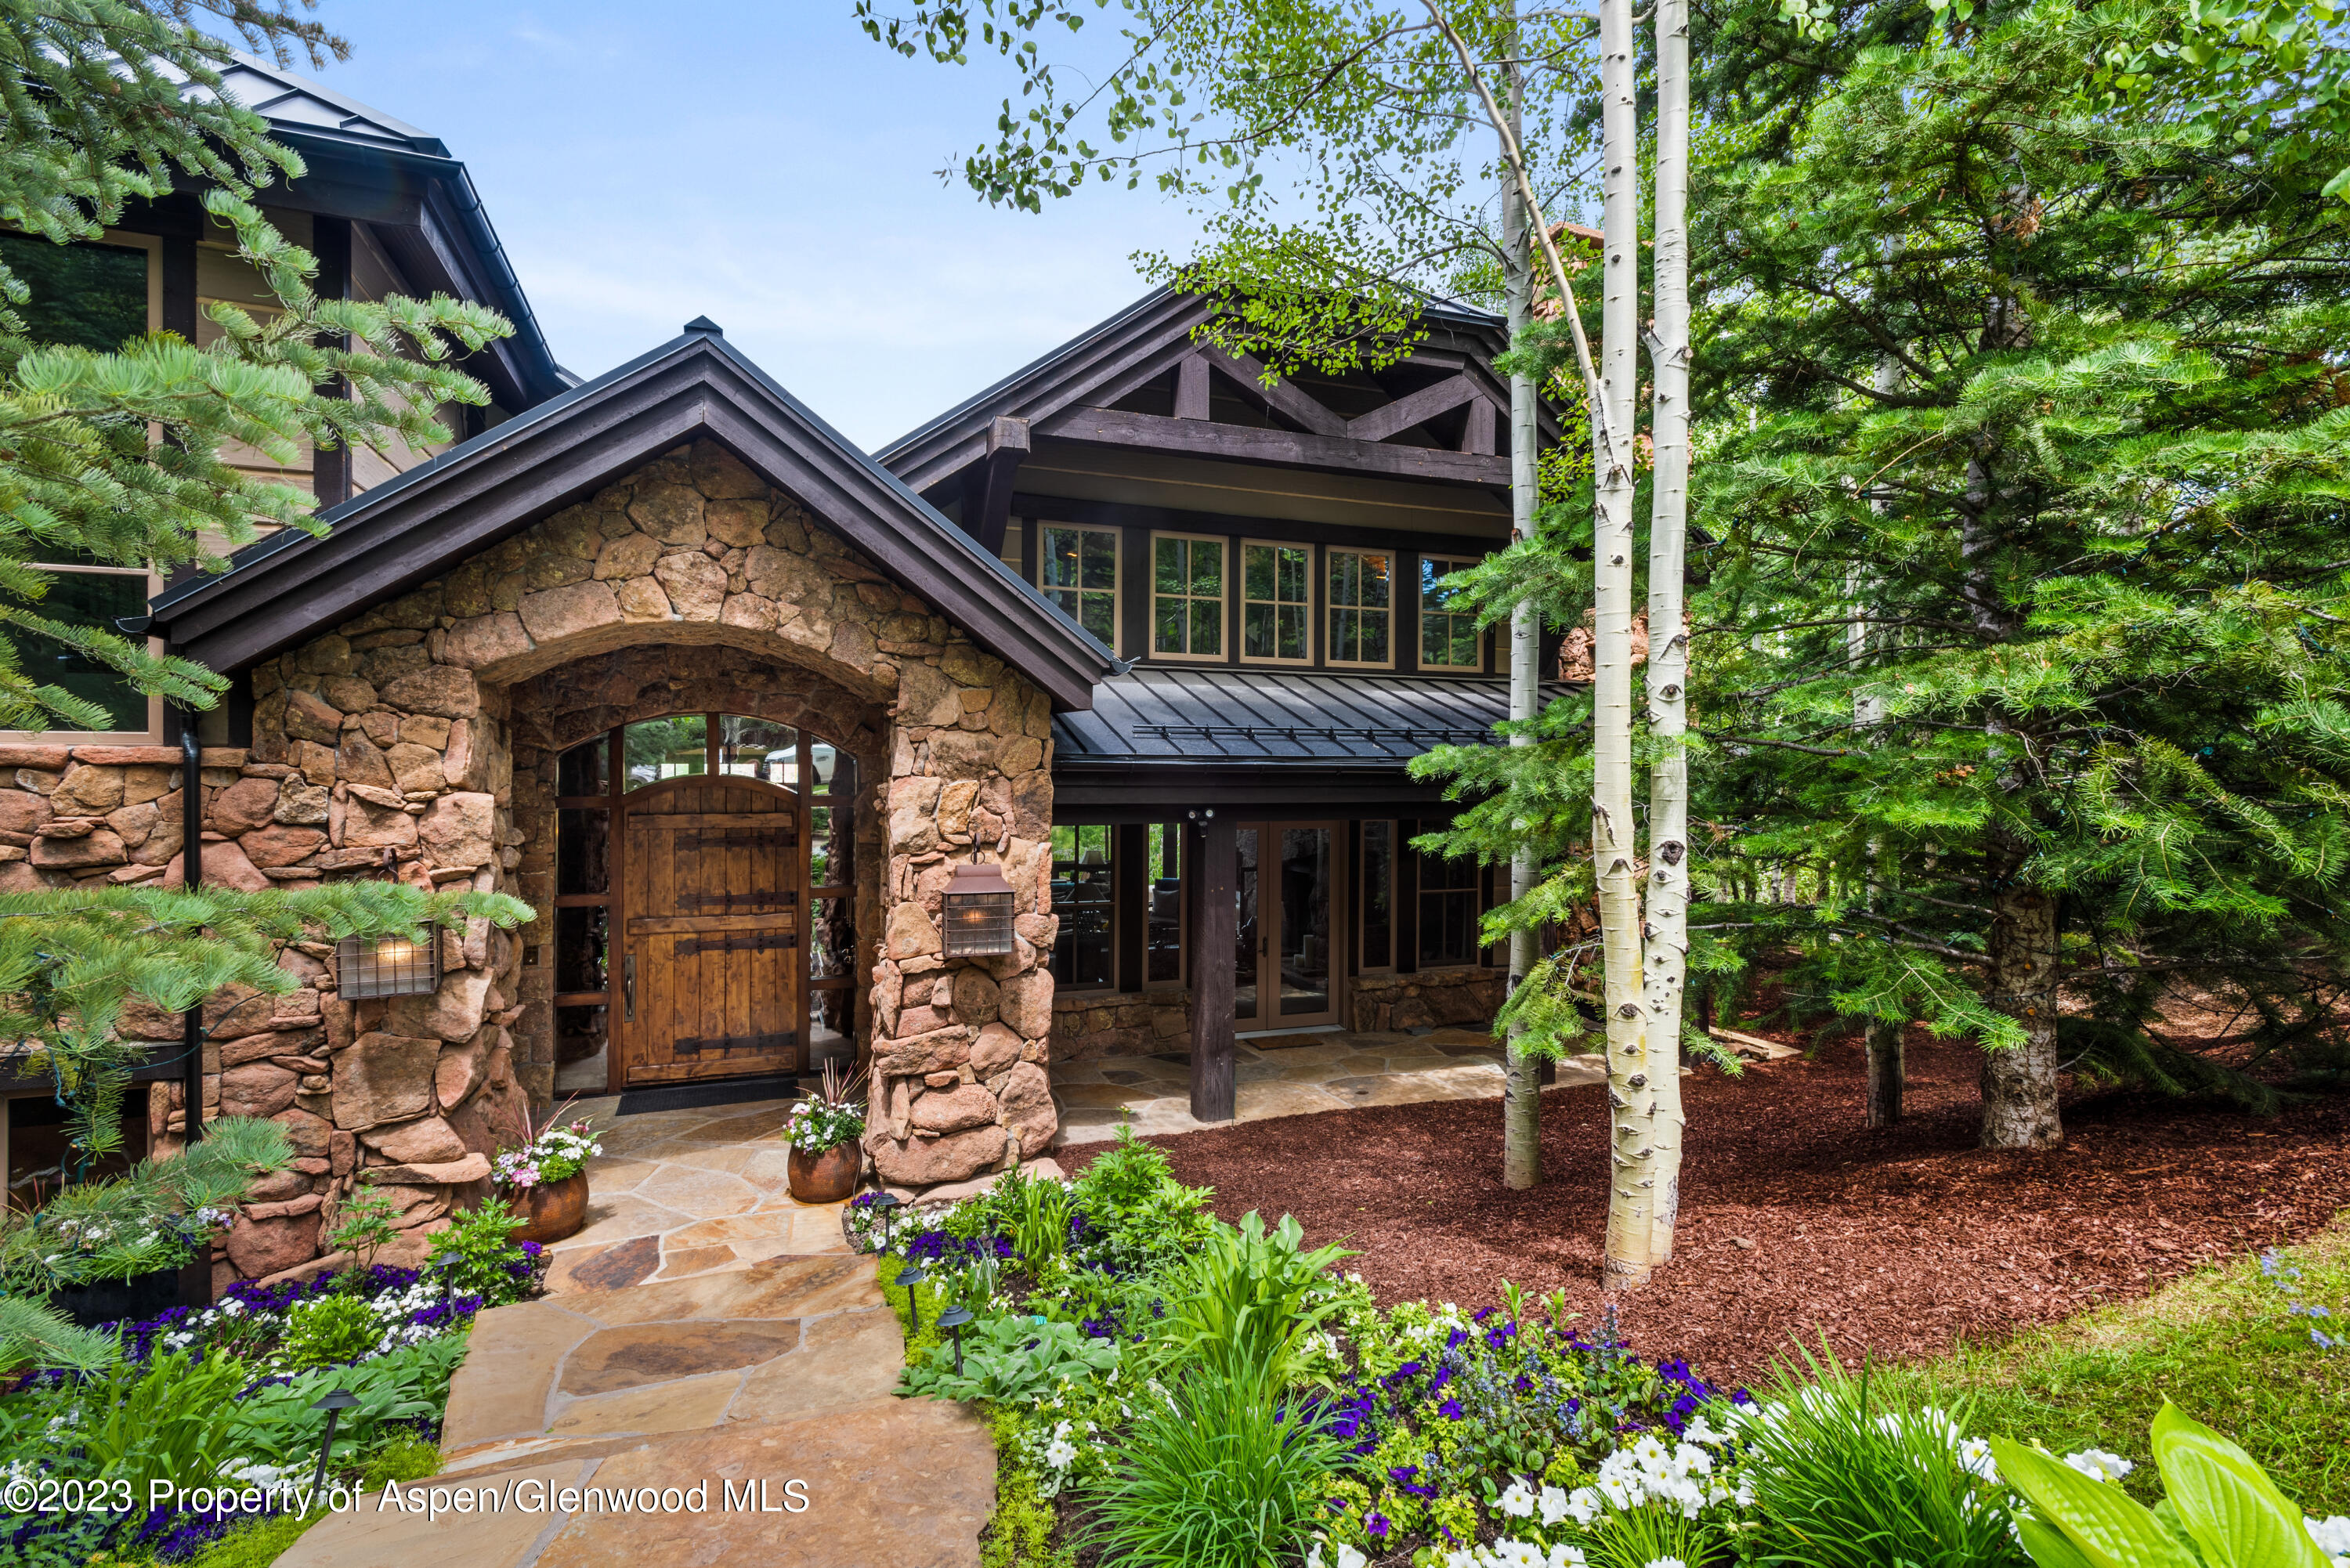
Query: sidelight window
{"x": 1082, "y": 901}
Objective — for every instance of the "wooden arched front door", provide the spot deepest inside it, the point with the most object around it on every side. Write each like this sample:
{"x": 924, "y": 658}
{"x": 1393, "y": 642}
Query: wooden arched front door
{"x": 711, "y": 898}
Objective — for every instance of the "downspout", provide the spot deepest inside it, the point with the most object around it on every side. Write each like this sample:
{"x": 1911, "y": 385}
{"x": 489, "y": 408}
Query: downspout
{"x": 192, "y": 861}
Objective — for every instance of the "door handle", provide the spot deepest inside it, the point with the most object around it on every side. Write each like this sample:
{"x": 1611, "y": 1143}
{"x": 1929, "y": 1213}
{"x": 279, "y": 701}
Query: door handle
{"x": 629, "y": 988}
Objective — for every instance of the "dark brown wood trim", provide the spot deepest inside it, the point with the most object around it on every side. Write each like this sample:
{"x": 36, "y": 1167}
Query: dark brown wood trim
{"x": 1479, "y": 434}
{"x": 1212, "y": 872}
{"x": 1285, "y": 395}
{"x": 1411, "y": 409}
{"x": 1280, "y": 449}
{"x": 1407, "y": 897}
{"x": 1191, "y": 387}
{"x": 178, "y": 267}
{"x": 1178, "y": 520}
{"x": 330, "y": 242}
{"x": 987, "y": 486}
{"x": 1130, "y": 900}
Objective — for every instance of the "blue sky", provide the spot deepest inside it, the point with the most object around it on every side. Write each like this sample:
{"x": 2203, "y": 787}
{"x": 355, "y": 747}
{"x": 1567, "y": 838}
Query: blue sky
{"x": 765, "y": 165}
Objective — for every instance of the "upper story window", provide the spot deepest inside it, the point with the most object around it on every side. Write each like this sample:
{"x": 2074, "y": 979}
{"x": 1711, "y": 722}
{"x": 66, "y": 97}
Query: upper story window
{"x": 91, "y": 296}
{"x": 95, "y": 597}
{"x": 1277, "y": 602}
{"x": 1187, "y": 597}
{"x": 1076, "y": 568}
{"x": 1361, "y": 597}
{"x": 1449, "y": 638}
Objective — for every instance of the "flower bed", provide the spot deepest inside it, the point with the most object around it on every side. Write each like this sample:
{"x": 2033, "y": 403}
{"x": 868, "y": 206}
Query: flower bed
{"x": 1168, "y": 1389}
{"x": 227, "y": 1393}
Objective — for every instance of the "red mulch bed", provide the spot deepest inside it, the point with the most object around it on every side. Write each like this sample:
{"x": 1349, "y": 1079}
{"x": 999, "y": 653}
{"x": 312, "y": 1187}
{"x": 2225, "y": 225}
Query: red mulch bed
{"x": 1796, "y": 1221}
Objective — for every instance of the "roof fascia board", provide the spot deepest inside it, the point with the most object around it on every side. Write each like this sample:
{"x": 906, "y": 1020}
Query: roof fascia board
{"x": 416, "y": 527}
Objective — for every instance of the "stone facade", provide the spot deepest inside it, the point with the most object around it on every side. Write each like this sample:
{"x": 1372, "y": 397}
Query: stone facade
{"x": 1428, "y": 999}
{"x": 1089, "y": 1024}
{"x": 426, "y": 731}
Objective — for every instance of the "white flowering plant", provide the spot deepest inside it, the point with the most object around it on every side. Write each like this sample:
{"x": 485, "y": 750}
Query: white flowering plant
{"x": 823, "y": 1121}
{"x": 557, "y": 1154}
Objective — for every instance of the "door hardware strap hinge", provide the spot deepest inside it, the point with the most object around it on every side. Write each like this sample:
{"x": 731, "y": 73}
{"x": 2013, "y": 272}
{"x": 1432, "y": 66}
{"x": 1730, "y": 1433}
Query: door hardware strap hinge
{"x": 735, "y": 942}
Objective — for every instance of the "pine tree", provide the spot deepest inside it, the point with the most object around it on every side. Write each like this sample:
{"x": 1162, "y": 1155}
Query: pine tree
{"x": 2091, "y": 751}
{"x": 115, "y": 457}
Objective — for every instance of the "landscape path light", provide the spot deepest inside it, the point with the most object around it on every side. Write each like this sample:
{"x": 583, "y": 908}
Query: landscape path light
{"x": 953, "y": 1318}
{"x": 334, "y": 1405}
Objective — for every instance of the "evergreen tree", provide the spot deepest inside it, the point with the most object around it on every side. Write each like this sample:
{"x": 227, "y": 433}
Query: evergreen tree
{"x": 114, "y": 456}
{"x": 2027, "y": 657}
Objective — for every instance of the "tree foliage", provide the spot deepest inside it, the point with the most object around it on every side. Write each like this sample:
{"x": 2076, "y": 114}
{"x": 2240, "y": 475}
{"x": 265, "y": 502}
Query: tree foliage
{"x": 117, "y": 457}
{"x": 2056, "y": 608}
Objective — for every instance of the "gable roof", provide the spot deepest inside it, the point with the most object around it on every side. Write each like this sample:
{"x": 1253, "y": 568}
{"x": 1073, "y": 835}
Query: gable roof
{"x": 366, "y": 165}
{"x": 1144, "y": 341}
{"x": 291, "y": 586}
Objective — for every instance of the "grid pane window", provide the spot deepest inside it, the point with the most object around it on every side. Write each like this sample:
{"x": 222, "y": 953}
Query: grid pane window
{"x": 1449, "y": 639}
{"x": 1362, "y": 596}
{"x": 1187, "y": 597}
{"x": 88, "y": 295}
{"x": 1164, "y": 963}
{"x": 95, "y": 600}
{"x": 1078, "y": 570}
{"x": 1448, "y": 911}
{"x": 1081, "y": 901}
{"x": 758, "y": 748}
{"x": 673, "y": 748}
{"x": 1277, "y": 601}
{"x": 1378, "y": 895}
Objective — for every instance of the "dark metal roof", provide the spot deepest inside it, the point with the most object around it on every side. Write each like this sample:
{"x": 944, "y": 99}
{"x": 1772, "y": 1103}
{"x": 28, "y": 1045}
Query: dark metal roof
{"x": 337, "y": 134}
{"x": 1098, "y": 367}
{"x": 290, "y": 587}
{"x": 1310, "y": 719}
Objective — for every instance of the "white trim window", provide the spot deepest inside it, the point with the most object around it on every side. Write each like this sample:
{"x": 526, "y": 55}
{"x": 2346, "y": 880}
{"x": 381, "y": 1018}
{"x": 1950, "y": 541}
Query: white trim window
{"x": 1277, "y": 602}
{"x": 1077, "y": 573}
{"x": 97, "y": 598}
{"x": 1187, "y": 597}
{"x": 1449, "y": 638}
{"x": 1361, "y": 597}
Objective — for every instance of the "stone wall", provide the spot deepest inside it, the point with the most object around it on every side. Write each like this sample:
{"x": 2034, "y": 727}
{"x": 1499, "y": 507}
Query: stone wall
{"x": 688, "y": 585}
{"x": 1432, "y": 998}
{"x": 1092, "y": 1024}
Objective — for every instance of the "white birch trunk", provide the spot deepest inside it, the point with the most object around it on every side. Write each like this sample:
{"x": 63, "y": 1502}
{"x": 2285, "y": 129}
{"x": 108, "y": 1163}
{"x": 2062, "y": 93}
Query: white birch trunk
{"x": 1665, "y": 972}
{"x": 1521, "y": 1074}
{"x": 1633, "y": 1189}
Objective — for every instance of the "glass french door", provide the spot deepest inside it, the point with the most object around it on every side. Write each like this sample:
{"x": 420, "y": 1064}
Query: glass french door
{"x": 1284, "y": 938}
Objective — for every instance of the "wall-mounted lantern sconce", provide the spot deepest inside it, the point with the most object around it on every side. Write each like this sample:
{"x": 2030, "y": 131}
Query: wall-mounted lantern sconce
{"x": 978, "y": 910}
{"x": 368, "y": 967}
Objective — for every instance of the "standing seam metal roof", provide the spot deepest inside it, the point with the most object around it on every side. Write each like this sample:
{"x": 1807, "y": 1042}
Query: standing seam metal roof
{"x": 1267, "y": 716}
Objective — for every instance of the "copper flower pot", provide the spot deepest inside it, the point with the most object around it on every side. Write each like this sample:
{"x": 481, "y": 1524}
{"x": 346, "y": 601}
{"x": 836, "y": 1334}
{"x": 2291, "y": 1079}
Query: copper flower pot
{"x": 829, "y": 1176}
{"x": 555, "y": 1209}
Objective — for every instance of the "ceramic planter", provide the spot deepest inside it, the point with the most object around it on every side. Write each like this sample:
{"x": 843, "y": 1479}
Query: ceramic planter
{"x": 829, "y": 1176}
{"x": 556, "y": 1208}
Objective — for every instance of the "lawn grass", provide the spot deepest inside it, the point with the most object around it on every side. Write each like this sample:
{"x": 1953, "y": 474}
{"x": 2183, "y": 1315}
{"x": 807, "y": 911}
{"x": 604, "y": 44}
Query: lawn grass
{"x": 2222, "y": 1344}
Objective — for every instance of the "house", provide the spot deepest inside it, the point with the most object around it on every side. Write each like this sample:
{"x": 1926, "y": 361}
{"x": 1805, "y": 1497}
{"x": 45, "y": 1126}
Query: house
{"x": 732, "y": 705}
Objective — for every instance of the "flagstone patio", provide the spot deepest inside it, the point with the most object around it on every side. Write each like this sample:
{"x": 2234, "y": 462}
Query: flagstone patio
{"x": 704, "y": 1330}
{"x": 681, "y": 1193}
{"x": 1288, "y": 1075}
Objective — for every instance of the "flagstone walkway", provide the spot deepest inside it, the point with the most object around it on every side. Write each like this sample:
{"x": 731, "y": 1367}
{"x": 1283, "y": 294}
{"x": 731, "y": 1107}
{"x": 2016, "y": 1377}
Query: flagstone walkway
{"x": 1289, "y": 1075}
{"x": 704, "y": 1344}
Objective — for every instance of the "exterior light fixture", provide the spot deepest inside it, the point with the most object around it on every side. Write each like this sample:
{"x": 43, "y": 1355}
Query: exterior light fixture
{"x": 978, "y": 910}
{"x": 910, "y": 1276}
{"x": 334, "y": 1405}
{"x": 369, "y": 967}
{"x": 953, "y": 1318}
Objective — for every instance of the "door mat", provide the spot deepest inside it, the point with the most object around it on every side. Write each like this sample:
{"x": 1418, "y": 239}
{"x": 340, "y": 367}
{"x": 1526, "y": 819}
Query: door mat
{"x": 693, "y": 1096}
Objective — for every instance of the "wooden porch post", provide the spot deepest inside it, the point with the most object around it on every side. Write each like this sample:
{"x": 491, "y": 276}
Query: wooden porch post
{"x": 1213, "y": 903}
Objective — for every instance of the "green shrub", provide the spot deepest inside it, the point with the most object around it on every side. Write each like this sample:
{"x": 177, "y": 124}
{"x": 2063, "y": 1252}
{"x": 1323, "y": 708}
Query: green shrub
{"x": 327, "y": 1331}
{"x": 1007, "y": 1357}
{"x": 367, "y": 1221}
{"x": 477, "y": 1255}
{"x": 255, "y": 1545}
{"x": 403, "y": 1459}
{"x": 169, "y": 1418}
{"x": 1846, "y": 1477}
{"x": 900, "y": 1297}
{"x": 1216, "y": 1474}
{"x": 274, "y": 1423}
{"x": 1242, "y": 1304}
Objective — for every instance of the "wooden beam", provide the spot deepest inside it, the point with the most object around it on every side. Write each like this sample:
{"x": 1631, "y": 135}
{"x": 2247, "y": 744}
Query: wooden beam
{"x": 1291, "y": 448}
{"x": 1413, "y": 409}
{"x": 1212, "y": 875}
{"x": 1478, "y": 436}
{"x": 1192, "y": 388}
{"x": 330, "y": 243}
{"x": 987, "y": 487}
{"x": 1249, "y": 371}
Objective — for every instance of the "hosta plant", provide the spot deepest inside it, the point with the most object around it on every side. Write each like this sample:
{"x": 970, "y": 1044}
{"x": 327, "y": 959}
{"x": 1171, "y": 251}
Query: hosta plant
{"x": 2219, "y": 1509}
